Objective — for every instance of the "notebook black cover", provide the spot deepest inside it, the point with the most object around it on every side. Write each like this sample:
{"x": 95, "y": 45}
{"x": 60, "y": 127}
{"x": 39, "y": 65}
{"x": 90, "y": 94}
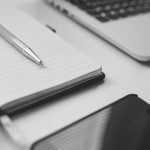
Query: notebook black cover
{"x": 20, "y": 106}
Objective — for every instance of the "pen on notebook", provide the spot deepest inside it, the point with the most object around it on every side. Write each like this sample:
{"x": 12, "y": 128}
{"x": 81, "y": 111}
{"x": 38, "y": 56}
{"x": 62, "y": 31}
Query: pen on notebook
{"x": 19, "y": 45}
{"x": 12, "y": 131}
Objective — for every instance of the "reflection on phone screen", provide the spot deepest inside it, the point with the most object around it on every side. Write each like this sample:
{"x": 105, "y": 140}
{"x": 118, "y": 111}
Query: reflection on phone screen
{"x": 124, "y": 125}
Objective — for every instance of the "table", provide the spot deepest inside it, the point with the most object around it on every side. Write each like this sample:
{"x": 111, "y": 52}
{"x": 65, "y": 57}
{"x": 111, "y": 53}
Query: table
{"x": 124, "y": 75}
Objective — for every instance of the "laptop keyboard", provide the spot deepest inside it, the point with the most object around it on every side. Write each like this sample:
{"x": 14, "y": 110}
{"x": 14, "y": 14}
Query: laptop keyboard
{"x": 105, "y": 10}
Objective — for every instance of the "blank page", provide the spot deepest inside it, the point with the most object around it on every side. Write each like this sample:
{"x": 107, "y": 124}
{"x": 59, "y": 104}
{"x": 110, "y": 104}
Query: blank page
{"x": 20, "y": 76}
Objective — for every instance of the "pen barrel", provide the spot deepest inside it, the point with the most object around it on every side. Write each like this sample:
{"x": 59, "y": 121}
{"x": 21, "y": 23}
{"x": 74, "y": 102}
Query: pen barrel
{"x": 6, "y": 35}
{"x": 19, "y": 45}
{"x": 25, "y": 50}
{"x": 11, "y": 39}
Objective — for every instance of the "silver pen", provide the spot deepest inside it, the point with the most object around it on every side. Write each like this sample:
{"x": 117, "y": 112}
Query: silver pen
{"x": 19, "y": 45}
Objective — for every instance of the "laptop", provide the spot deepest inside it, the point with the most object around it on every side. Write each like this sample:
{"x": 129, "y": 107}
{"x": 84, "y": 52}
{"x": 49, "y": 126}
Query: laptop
{"x": 122, "y": 23}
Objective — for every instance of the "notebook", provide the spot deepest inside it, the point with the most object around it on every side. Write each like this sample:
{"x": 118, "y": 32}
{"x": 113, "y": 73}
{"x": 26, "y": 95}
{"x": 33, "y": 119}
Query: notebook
{"x": 24, "y": 82}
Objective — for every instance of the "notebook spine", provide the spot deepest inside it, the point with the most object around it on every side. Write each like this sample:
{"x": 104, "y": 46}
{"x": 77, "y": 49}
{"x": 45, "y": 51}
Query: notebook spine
{"x": 14, "y": 110}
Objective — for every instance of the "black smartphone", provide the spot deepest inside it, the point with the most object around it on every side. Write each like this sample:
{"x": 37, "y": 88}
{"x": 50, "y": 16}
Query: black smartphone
{"x": 123, "y": 125}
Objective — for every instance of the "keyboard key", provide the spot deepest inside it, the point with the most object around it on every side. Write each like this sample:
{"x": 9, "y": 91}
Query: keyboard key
{"x": 106, "y": 10}
{"x": 113, "y": 14}
{"x": 102, "y": 17}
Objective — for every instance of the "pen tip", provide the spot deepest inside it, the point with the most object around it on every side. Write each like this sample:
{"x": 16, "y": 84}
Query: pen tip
{"x": 41, "y": 64}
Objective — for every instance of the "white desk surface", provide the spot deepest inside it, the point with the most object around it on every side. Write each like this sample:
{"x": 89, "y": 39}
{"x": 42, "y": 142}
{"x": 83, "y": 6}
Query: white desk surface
{"x": 123, "y": 76}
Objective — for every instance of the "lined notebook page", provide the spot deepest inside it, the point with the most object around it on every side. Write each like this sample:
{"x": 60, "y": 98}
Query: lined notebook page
{"x": 21, "y": 77}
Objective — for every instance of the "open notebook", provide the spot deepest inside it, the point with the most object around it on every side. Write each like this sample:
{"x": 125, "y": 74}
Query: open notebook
{"x": 23, "y": 82}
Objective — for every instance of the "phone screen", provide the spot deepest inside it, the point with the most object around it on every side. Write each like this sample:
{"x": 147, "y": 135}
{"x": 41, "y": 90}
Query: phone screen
{"x": 123, "y": 125}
